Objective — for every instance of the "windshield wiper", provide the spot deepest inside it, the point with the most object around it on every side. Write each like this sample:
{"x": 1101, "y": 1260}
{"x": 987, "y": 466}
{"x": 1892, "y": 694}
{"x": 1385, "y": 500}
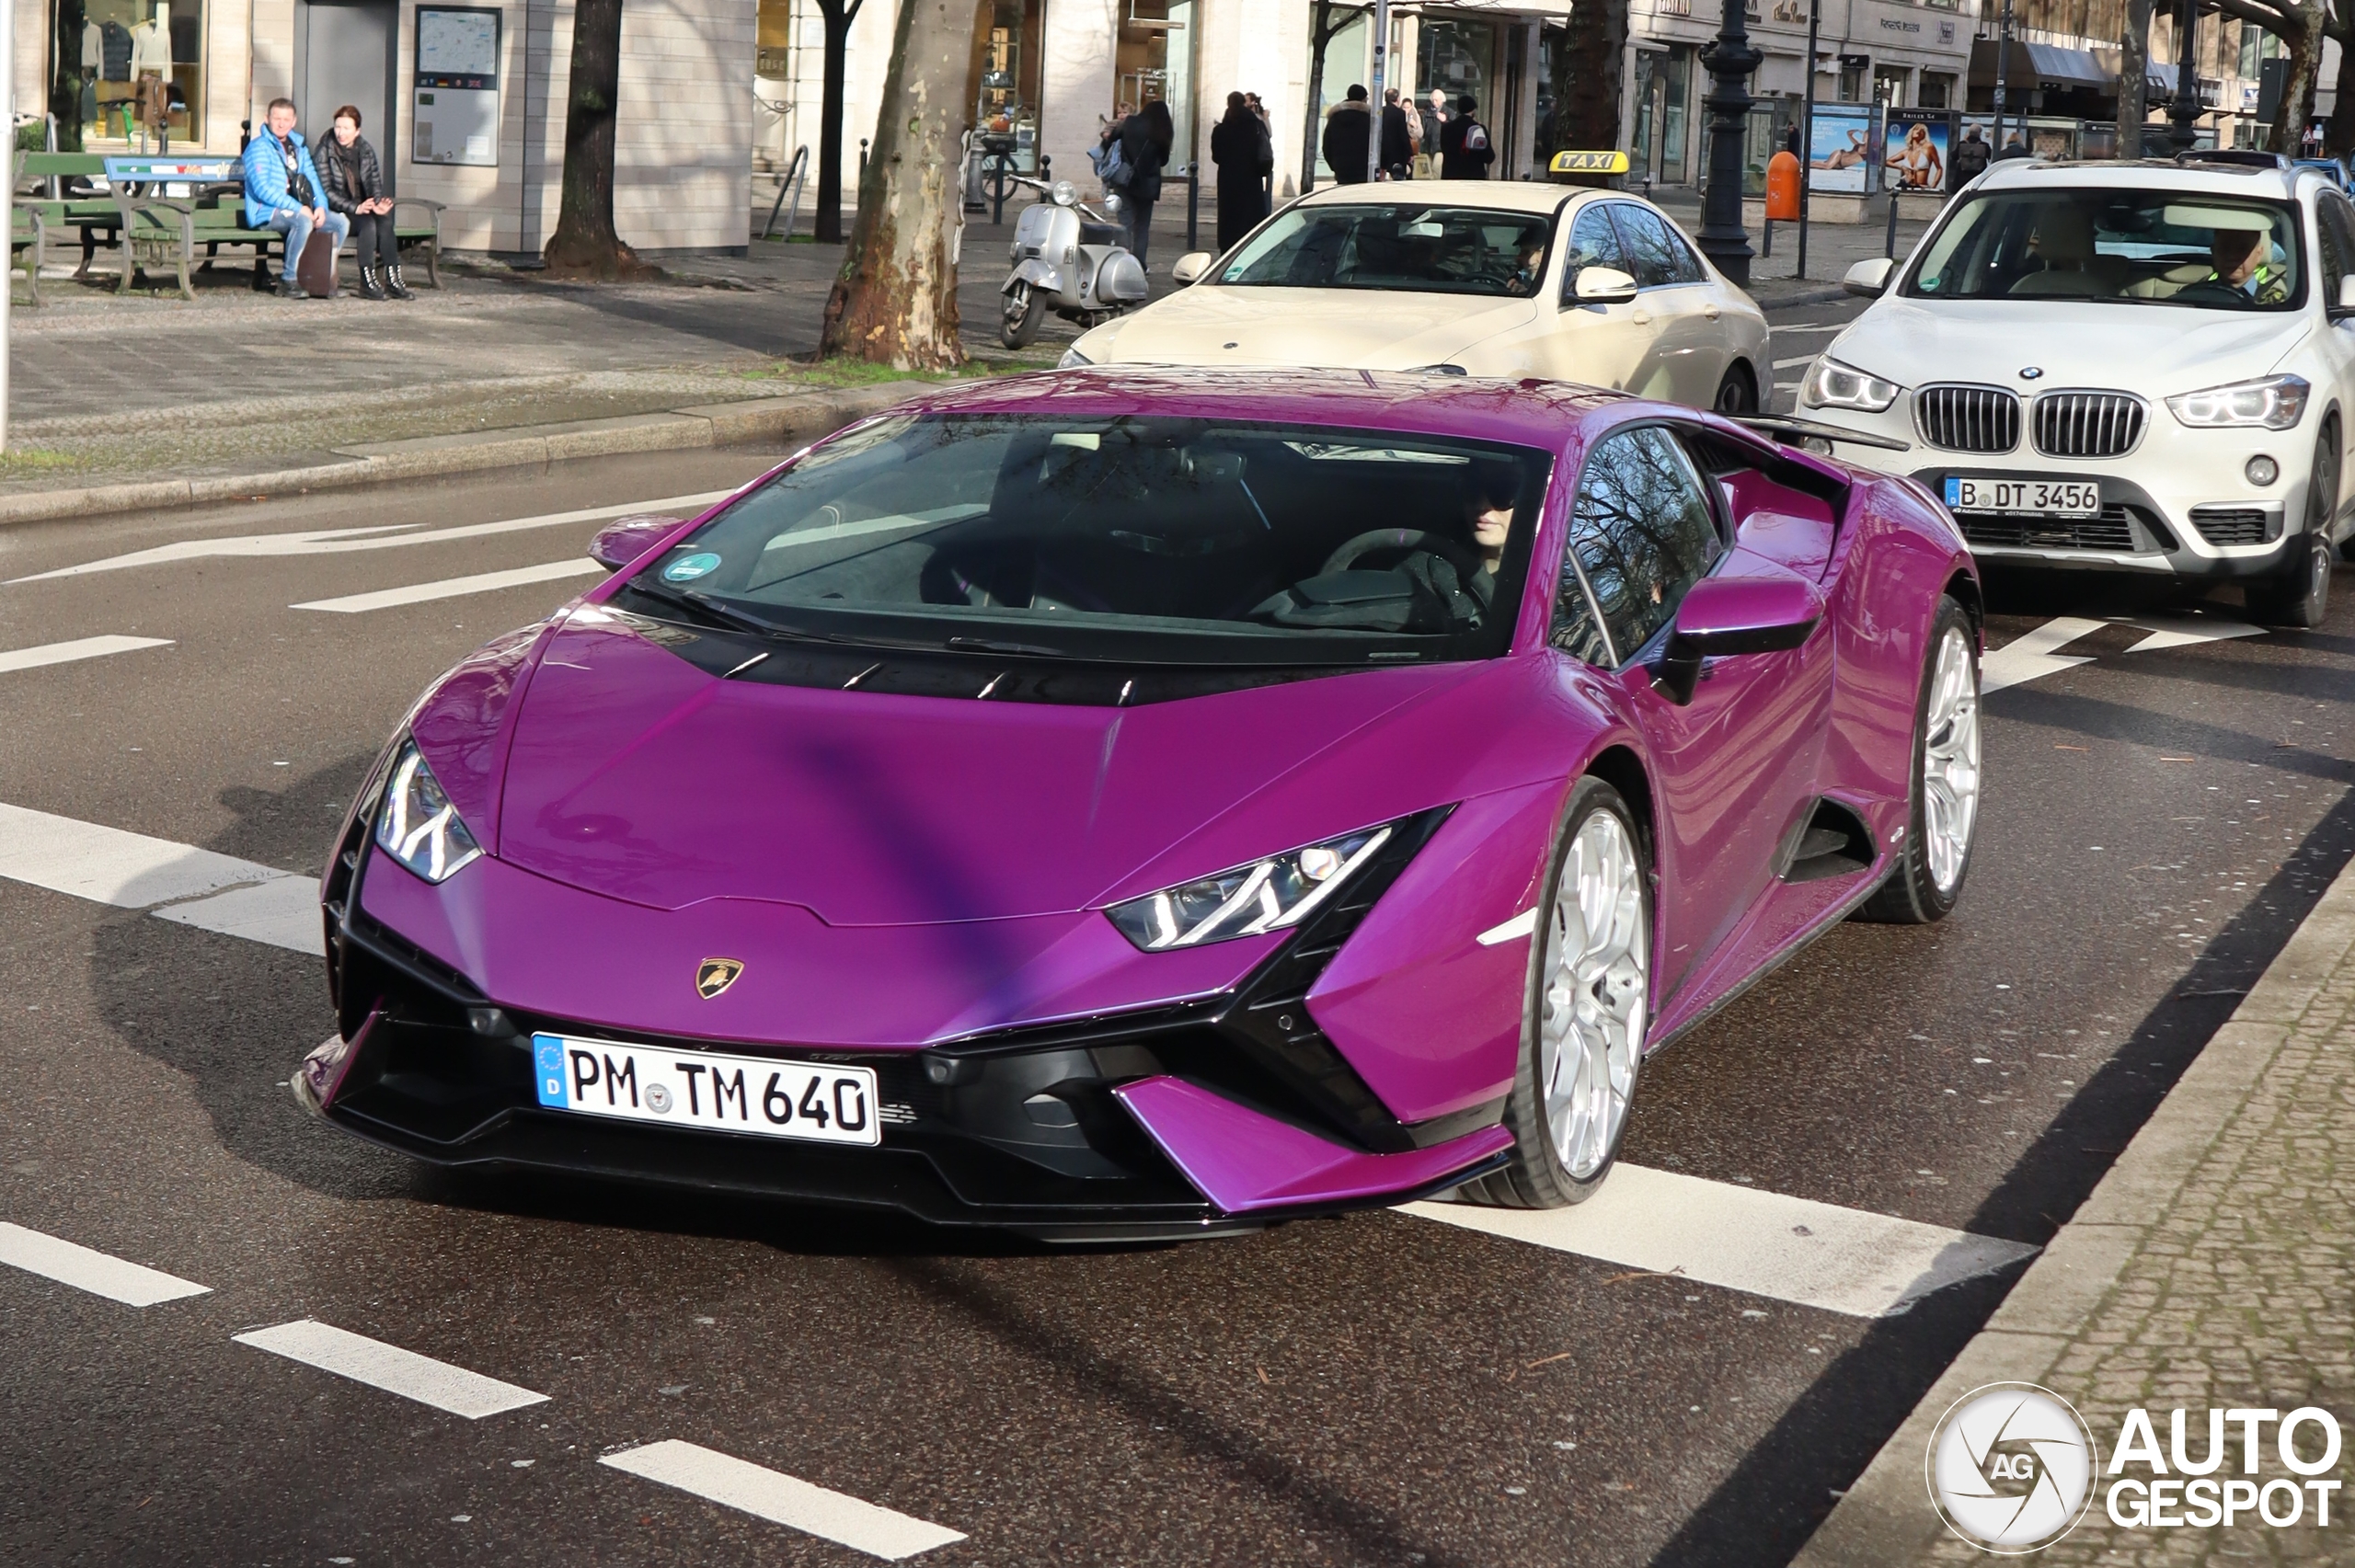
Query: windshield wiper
{"x": 990, "y": 645}
{"x": 694, "y": 605}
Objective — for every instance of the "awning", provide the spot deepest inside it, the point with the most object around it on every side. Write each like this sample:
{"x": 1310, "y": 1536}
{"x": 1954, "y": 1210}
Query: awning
{"x": 2031, "y": 65}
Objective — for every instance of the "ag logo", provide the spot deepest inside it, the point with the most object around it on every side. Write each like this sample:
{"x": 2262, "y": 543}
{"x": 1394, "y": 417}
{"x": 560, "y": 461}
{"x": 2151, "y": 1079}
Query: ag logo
{"x": 715, "y": 975}
{"x": 2011, "y": 1467}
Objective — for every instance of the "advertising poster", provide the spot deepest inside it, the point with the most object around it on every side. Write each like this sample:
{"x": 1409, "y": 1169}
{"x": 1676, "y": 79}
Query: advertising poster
{"x": 1840, "y": 148}
{"x": 1920, "y": 141}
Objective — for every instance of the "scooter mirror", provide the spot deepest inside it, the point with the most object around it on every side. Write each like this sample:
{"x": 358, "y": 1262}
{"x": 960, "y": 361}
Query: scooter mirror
{"x": 1190, "y": 266}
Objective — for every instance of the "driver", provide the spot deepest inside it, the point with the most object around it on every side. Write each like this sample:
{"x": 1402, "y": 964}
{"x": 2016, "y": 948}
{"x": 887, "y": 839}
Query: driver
{"x": 2243, "y": 259}
{"x": 1489, "y": 492}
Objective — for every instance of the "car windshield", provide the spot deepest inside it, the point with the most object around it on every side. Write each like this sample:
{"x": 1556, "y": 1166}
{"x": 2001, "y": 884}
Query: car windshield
{"x": 1136, "y": 539}
{"x": 1411, "y": 247}
{"x": 2138, "y": 248}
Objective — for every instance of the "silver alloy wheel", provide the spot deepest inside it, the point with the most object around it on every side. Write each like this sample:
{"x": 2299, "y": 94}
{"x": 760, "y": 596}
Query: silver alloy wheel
{"x": 1950, "y": 762}
{"x": 1598, "y": 988}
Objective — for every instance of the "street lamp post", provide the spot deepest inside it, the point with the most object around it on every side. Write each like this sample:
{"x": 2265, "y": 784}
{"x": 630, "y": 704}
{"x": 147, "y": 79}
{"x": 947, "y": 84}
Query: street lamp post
{"x": 2183, "y": 115}
{"x": 2002, "y": 51}
{"x": 1729, "y": 59}
{"x": 1381, "y": 75}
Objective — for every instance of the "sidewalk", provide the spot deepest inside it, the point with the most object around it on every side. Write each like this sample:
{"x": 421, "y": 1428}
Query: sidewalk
{"x": 2214, "y": 1267}
{"x": 1832, "y": 248}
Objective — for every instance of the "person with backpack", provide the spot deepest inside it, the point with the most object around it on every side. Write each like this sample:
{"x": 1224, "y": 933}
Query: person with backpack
{"x": 282, "y": 192}
{"x": 1146, "y": 138}
{"x": 1348, "y": 132}
{"x": 1239, "y": 147}
{"x": 1463, "y": 151}
{"x": 1969, "y": 158}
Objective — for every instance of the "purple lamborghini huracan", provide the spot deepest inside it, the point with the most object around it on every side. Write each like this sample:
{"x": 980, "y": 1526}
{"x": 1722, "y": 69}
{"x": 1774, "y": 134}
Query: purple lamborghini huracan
{"x": 1154, "y": 803}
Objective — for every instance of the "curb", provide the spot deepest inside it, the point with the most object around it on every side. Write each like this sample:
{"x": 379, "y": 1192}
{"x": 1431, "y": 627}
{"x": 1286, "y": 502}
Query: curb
{"x": 807, "y": 414}
{"x": 1886, "y": 1520}
{"x": 1826, "y": 296}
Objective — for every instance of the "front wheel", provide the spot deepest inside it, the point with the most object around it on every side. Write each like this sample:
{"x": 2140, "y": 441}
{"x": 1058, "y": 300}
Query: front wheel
{"x": 1943, "y": 824}
{"x": 2300, "y": 594}
{"x": 1026, "y": 307}
{"x": 1587, "y": 1006}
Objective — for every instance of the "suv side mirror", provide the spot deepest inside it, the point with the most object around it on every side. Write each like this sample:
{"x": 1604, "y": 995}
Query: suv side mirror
{"x": 625, "y": 539}
{"x": 1869, "y": 279}
{"x": 1603, "y": 286}
{"x": 1726, "y": 616}
{"x": 1191, "y": 267}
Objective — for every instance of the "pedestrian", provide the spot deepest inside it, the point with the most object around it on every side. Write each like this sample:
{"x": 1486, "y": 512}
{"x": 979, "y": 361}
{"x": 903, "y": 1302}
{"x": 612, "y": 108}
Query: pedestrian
{"x": 1266, "y": 128}
{"x": 1398, "y": 142}
{"x": 2012, "y": 148}
{"x": 352, "y": 180}
{"x": 1146, "y": 137}
{"x": 1348, "y": 125}
{"x": 1969, "y": 158}
{"x": 1791, "y": 140}
{"x": 1240, "y": 149}
{"x": 1465, "y": 153}
{"x": 1414, "y": 117}
{"x": 282, "y": 192}
{"x": 1435, "y": 121}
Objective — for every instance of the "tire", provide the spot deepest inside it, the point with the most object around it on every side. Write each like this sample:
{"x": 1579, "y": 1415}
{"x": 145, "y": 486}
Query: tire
{"x": 2300, "y": 594}
{"x": 1026, "y": 307}
{"x": 1931, "y": 867}
{"x": 1738, "y": 393}
{"x": 1601, "y": 837}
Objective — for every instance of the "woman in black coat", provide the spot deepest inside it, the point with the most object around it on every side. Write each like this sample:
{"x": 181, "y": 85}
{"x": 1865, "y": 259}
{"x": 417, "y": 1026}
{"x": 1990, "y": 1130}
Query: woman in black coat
{"x": 354, "y": 185}
{"x": 1146, "y": 139}
{"x": 1239, "y": 147}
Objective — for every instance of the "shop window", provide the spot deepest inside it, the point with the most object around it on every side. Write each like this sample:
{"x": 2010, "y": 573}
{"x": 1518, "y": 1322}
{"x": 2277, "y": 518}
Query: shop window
{"x": 1888, "y": 86}
{"x": 1150, "y": 63}
{"x": 1458, "y": 57}
{"x": 1010, "y": 72}
{"x": 1938, "y": 89}
{"x": 129, "y": 72}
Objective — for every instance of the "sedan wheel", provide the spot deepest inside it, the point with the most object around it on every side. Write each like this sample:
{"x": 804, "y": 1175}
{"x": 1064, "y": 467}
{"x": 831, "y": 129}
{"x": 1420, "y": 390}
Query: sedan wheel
{"x": 1933, "y": 855}
{"x": 1736, "y": 393}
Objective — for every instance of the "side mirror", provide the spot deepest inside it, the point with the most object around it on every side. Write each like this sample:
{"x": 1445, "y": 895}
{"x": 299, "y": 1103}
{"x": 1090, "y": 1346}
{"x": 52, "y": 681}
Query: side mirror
{"x": 1726, "y": 616}
{"x": 1869, "y": 279}
{"x": 625, "y": 539}
{"x": 1191, "y": 267}
{"x": 2347, "y": 294}
{"x": 1603, "y": 286}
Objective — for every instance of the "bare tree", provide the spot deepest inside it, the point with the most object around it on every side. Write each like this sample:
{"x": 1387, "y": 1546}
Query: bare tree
{"x": 2338, "y": 140}
{"x": 838, "y": 17}
{"x": 2299, "y": 25}
{"x": 1324, "y": 23}
{"x": 1588, "y": 61}
{"x": 895, "y": 300}
{"x": 584, "y": 244}
{"x": 2133, "y": 77}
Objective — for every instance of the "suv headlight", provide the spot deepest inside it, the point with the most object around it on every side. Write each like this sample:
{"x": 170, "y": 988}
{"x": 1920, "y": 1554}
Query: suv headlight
{"x": 1831, "y": 385}
{"x": 1072, "y": 358}
{"x": 2276, "y": 401}
{"x": 417, "y": 826}
{"x": 1268, "y": 894}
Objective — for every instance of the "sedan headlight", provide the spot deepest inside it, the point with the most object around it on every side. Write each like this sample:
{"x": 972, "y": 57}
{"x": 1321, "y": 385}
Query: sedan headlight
{"x": 417, "y": 826}
{"x": 1831, "y": 385}
{"x": 1269, "y": 895}
{"x": 2277, "y": 403}
{"x": 1072, "y": 358}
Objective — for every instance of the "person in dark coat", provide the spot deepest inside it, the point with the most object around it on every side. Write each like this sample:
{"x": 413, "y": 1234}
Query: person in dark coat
{"x": 1239, "y": 147}
{"x": 1146, "y": 137}
{"x": 1969, "y": 158}
{"x": 352, "y": 180}
{"x": 1464, "y": 150}
{"x": 1348, "y": 128}
{"x": 1397, "y": 142}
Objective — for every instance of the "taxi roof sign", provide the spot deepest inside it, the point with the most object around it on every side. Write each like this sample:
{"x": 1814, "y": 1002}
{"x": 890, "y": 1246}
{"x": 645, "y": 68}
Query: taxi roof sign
{"x": 1588, "y": 163}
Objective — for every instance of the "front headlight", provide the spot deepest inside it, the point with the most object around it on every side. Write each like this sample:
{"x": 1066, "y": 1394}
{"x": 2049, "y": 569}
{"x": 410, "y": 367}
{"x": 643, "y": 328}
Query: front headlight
{"x": 2277, "y": 403}
{"x": 417, "y": 826}
{"x": 1072, "y": 358}
{"x": 1062, "y": 193}
{"x": 1831, "y": 385}
{"x": 1268, "y": 895}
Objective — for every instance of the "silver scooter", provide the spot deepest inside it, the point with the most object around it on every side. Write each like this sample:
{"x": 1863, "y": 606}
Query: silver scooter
{"x": 1070, "y": 258}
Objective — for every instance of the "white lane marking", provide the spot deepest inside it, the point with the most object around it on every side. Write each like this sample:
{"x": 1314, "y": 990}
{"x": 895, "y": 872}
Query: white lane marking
{"x": 2186, "y": 631}
{"x": 131, "y": 871}
{"x": 1813, "y": 326}
{"x": 80, "y": 648}
{"x": 2030, "y": 657}
{"x": 338, "y": 541}
{"x": 391, "y": 1368}
{"x": 1520, "y": 925}
{"x": 1789, "y": 364}
{"x": 1764, "y": 1243}
{"x": 453, "y": 588}
{"x": 783, "y": 1499}
{"x": 100, "y": 1274}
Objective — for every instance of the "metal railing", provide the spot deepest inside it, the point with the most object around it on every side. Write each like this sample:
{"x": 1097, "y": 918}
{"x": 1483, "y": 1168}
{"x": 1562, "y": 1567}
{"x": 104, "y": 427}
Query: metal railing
{"x": 797, "y": 174}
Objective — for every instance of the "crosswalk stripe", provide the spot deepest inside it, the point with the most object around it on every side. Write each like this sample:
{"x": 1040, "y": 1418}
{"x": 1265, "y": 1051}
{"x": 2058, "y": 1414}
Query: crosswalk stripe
{"x": 100, "y": 1274}
{"x": 391, "y": 1368}
{"x": 1763, "y": 1243}
{"x": 15, "y": 659}
{"x": 282, "y": 911}
{"x": 132, "y": 871}
{"x": 783, "y": 1499}
{"x": 454, "y": 588}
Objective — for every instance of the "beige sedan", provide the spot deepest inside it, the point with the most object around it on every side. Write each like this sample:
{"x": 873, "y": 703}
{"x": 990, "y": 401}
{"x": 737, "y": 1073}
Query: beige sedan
{"x": 1497, "y": 278}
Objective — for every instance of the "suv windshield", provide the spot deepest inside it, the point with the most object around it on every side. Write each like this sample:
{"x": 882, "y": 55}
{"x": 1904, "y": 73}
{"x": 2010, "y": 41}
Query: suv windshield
{"x": 2141, "y": 247}
{"x": 1414, "y": 247}
{"x": 1134, "y": 540}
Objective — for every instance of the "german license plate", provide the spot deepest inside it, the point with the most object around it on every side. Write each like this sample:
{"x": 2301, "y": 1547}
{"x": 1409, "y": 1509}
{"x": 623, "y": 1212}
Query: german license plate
{"x": 818, "y": 1101}
{"x": 2042, "y": 498}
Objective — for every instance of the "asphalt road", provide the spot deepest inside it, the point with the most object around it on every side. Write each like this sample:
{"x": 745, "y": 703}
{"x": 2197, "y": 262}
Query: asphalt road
{"x": 1374, "y": 1390}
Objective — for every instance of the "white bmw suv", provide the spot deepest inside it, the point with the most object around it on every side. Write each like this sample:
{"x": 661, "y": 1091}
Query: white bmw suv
{"x": 2139, "y": 367}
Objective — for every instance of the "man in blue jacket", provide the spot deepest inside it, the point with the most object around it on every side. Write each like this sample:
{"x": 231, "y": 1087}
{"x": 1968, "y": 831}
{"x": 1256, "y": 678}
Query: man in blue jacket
{"x": 282, "y": 192}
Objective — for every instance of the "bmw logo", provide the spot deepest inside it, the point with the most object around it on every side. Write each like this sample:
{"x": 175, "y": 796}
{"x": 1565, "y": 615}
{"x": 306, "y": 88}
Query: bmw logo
{"x": 2031, "y": 373}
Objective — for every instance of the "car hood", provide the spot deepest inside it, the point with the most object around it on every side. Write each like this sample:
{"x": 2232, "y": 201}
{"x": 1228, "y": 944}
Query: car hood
{"x": 1352, "y": 328}
{"x": 2155, "y": 350}
{"x": 634, "y": 774}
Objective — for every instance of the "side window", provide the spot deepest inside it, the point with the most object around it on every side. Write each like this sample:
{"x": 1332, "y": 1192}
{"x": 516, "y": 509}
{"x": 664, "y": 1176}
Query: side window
{"x": 1688, "y": 263}
{"x": 1593, "y": 242}
{"x": 1649, "y": 245}
{"x": 2338, "y": 229}
{"x": 1643, "y": 533}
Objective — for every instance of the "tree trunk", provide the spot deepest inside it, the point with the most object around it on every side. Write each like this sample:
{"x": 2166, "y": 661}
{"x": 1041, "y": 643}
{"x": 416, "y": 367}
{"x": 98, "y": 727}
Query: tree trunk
{"x": 838, "y": 17}
{"x": 2297, "y": 111}
{"x": 2339, "y": 139}
{"x": 2133, "y": 77}
{"x": 1562, "y": 65}
{"x": 895, "y": 300}
{"x": 65, "y": 84}
{"x": 584, "y": 244}
{"x": 1596, "y": 46}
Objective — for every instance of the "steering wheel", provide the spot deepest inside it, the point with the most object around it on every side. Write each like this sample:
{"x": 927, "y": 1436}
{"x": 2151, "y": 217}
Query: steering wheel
{"x": 2210, "y": 289}
{"x": 1402, "y": 539}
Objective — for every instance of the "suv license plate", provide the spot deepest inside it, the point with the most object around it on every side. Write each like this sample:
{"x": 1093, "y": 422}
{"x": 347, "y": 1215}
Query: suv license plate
{"x": 2041, "y": 498}
{"x": 820, "y": 1101}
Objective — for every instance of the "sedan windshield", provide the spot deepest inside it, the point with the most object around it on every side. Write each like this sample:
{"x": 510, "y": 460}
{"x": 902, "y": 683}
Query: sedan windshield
{"x": 1136, "y": 539}
{"x": 1411, "y": 247}
{"x": 2139, "y": 248}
